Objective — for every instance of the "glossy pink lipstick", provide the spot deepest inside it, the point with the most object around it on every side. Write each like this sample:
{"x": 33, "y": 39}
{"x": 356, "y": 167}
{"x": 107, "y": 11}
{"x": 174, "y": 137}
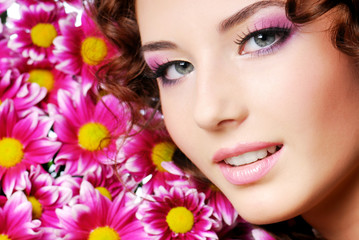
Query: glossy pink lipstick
{"x": 247, "y": 163}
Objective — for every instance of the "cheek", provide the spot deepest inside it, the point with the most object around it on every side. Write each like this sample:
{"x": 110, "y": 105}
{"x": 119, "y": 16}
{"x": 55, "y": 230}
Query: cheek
{"x": 318, "y": 111}
{"x": 177, "y": 107}
{"x": 312, "y": 86}
{"x": 313, "y": 107}
{"x": 176, "y": 114}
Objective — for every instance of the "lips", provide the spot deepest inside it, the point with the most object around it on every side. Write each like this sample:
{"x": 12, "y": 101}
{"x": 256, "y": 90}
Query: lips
{"x": 251, "y": 157}
{"x": 247, "y": 163}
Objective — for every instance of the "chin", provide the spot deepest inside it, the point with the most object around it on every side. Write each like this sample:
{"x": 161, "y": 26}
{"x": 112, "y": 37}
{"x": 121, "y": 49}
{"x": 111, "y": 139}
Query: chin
{"x": 263, "y": 214}
{"x": 259, "y": 219}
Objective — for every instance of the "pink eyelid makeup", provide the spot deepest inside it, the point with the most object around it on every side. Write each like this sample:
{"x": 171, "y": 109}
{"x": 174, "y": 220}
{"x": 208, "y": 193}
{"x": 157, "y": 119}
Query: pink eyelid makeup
{"x": 274, "y": 24}
{"x": 278, "y": 20}
{"x": 156, "y": 60}
{"x": 272, "y": 19}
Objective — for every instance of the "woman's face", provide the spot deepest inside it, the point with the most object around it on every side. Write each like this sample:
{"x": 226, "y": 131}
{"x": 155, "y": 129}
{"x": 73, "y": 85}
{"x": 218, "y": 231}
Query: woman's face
{"x": 269, "y": 112}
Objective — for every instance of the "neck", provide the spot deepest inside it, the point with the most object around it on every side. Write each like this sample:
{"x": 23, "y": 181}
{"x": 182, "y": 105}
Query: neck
{"x": 337, "y": 217}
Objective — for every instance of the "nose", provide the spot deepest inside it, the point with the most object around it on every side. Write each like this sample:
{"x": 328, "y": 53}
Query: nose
{"x": 219, "y": 100}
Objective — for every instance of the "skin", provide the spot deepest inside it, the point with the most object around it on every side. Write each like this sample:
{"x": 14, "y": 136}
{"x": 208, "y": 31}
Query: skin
{"x": 304, "y": 95}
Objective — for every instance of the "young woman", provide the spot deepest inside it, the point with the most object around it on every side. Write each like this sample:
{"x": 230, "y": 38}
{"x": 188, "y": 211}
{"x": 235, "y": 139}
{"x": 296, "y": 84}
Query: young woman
{"x": 261, "y": 95}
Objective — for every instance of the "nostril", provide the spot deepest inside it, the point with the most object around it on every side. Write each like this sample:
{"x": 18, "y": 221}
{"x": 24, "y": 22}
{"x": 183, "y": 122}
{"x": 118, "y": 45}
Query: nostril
{"x": 212, "y": 120}
{"x": 230, "y": 123}
{"x": 227, "y": 122}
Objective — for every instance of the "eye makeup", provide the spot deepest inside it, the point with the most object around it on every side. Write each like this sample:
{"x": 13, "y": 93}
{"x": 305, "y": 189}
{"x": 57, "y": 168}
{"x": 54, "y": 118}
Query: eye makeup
{"x": 155, "y": 61}
{"x": 171, "y": 72}
{"x": 277, "y": 27}
{"x": 262, "y": 34}
{"x": 167, "y": 71}
{"x": 271, "y": 20}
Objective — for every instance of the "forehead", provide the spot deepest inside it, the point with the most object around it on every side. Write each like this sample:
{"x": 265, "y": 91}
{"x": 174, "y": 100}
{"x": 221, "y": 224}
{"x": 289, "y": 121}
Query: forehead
{"x": 189, "y": 15}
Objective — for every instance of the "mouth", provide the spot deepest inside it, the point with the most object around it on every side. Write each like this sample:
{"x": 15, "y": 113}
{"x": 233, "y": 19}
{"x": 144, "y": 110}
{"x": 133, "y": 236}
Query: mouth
{"x": 248, "y": 163}
{"x": 251, "y": 157}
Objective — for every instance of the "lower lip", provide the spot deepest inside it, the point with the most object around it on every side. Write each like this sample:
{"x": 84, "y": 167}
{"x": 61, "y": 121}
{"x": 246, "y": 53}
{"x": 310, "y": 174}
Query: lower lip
{"x": 249, "y": 173}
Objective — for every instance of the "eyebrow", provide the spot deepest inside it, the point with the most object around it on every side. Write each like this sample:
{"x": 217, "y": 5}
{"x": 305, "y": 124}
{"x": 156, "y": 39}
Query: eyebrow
{"x": 224, "y": 26}
{"x": 247, "y": 12}
{"x": 160, "y": 45}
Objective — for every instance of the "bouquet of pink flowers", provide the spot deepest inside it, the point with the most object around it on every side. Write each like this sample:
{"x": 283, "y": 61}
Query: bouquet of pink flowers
{"x": 69, "y": 169}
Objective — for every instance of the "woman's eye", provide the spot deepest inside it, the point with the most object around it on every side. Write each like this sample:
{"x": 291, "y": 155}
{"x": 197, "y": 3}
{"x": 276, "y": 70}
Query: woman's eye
{"x": 177, "y": 70}
{"x": 263, "y": 39}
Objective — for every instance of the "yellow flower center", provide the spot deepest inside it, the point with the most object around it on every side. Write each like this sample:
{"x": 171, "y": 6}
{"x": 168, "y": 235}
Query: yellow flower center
{"x": 162, "y": 152}
{"x": 93, "y": 136}
{"x": 180, "y": 220}
{"x": 104, "y": 233}
{"x": 43, "y": 34}
{"x": 11, "y": 151}
{"x": 93, "y": 50}
{"x": 43, "y": 77}
{"x": 36, "y": 207}
{"x": 104, "y": 192}
{"x": 4, "y": 237}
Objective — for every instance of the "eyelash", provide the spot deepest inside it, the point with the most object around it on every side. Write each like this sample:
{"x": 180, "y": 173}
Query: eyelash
{"x": 245, "y": 37}
{"x": 159, "y": 71}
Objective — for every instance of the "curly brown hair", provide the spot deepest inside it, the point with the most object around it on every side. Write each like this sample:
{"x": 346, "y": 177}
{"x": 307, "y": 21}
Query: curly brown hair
{"x": 127, "y": 75}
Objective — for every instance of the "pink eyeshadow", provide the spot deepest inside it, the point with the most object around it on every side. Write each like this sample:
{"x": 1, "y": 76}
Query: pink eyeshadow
{"x": 154, "y": 61}
{"x": 279, "y": 20}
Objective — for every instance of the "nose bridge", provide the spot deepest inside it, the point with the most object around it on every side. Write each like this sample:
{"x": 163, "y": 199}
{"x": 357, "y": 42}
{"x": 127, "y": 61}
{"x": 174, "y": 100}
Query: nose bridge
{"x": 219, "y": 97}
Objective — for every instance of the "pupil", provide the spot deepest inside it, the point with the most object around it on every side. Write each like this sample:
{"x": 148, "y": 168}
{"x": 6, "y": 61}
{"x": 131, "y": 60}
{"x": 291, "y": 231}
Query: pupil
{"x": 264, "y": 40}
{"x": 183, "y": 67}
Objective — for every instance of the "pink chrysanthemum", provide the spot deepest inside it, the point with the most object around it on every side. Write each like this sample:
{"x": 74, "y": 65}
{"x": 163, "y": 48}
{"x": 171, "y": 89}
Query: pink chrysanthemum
{"x": 70, "y": 182}
{"x": 5, "y": 4}
{"x": 97, "y": 217}
{"x": 3, "y": 200}
{"x": 223, "y": 210}
{"x": 242, "y": 230}
{"x": 224, "y": 214}
{"x": 109, "y": 184}
{"x": 75, "y": 3}
{"x": 8, "y": 58}
{"x": 46, "y": 76}
{"x": 89, "y": 131}
{"x": 23, "y": 142}
{"x": 144, "y": 154}
{"x": 35, "y": 31}
{"x": 178, "y": 213}
{"x": 81, "y": 50}
{"x": 259, "y": 234}
{"x": 45, "y": 197}
{"x": 24, "y": 95}
{"x": 16, "y": 221}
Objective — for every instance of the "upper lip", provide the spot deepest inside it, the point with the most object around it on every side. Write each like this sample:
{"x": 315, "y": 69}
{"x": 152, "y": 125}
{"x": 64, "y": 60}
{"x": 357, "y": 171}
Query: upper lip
{"x": 239, "y": 149}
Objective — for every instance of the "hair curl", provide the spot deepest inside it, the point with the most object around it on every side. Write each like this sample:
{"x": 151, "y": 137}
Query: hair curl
{"x": 127, "y": 76}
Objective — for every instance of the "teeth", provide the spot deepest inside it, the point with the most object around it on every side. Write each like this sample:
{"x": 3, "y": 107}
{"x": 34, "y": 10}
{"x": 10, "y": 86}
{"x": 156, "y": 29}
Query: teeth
{"x": 272, "y": 149}
{"x": 250, "y": 157}
{"x": 261, "y": 154}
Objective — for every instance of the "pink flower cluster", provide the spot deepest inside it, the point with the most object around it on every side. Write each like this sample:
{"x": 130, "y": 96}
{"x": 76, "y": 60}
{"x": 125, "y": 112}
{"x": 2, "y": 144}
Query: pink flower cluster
{"x": 68, "y": 167}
